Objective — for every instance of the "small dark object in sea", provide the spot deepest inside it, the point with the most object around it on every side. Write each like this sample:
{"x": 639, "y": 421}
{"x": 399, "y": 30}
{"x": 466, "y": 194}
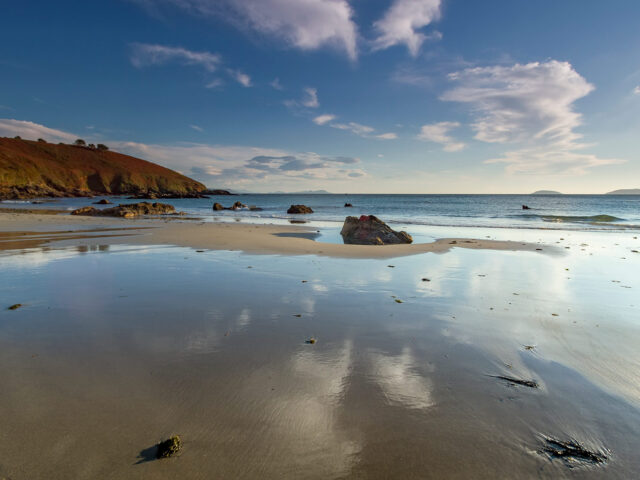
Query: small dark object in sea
{"x": 15, "y": 306}
{"x": 104, "y": 201}
{"x": 571, "y": 451}
{"x": 426, "y": 280}
{"x": 311, "y": 341}
{"x": 517, "y": 381}
{"x": 524, "y": 207}
{"x": 347, "y": 205}
{"x": 293, "y": 220}
{"x": 169, "y": 447}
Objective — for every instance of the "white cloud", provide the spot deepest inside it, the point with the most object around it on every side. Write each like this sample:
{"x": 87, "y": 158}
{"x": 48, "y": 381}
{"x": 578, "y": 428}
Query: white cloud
{"x": 308, "y": 100}
{"x": 196, "y": 128}
{"x": 148, "y": 55}
{"x": 323, "y": 119}
{"x": 276, "y": 84}
{"x": 400, "y": 23}
{"x": 364, "y": 131}
{"x": 547, "y": 160}
{"x": 636, "y": 90}
{"x": 439, "y": 133}
{"x": 353, "y": 127}
{"x": 215, "y": 83}
{"x": 387, "y": 136}
{"x": 521, "y": 102}
{"x": 311, "y": 98}
{"x": 145, "y": 55}
{"x": 531, "y": 105}
{"x": 302, "y": 24}
{"x": 242, "y": 78}
{"x": 33, "y": 131}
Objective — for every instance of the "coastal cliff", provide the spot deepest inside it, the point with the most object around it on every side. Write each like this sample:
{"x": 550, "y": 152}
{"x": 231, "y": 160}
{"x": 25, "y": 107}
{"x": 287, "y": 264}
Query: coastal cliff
{"x": 31, "y": 169}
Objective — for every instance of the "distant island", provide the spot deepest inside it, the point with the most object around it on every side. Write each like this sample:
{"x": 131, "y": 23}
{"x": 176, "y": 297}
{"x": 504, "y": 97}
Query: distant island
{"x": 625, "y": 191}
{"x": 30, "y": 169}
{"x": 546, "y": 192}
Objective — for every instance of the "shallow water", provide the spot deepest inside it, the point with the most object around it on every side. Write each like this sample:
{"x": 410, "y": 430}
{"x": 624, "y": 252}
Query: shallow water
{"x": 117, "y": 347}
{"x": 576, "y": 212}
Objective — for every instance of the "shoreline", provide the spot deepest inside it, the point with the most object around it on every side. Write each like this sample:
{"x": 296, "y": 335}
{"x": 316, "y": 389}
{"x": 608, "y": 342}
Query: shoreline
{"x": 24, "y": 230}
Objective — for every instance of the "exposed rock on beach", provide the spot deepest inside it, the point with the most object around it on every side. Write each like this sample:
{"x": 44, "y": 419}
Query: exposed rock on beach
{"x": 128, "y": 211}
{"x": 370, "y": 230}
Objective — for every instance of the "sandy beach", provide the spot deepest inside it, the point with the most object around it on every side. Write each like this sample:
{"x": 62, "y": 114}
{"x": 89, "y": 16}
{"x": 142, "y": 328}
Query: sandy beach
{"x": 30, "y": 229}
{"x": 130, "y": 331}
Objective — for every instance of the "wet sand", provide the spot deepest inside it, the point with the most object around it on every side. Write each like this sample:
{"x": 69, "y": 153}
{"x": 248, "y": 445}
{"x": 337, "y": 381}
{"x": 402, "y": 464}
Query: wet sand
{"x": 120, "y": 344}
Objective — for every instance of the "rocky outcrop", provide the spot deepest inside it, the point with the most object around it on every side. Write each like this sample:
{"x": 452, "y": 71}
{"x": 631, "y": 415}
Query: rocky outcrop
{"x": 217, "y": 207}
{"x": 31, "y": 169}
{"x": 299, "y": 209}
{"x": 347, "y": 205}
{"x": 128, "y": 211}
{"x": 104, "y": 201}
{"x": 370, "y": 230}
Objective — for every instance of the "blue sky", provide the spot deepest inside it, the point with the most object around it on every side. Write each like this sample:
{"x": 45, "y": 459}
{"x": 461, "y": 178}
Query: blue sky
{"x": 394, "y": 96}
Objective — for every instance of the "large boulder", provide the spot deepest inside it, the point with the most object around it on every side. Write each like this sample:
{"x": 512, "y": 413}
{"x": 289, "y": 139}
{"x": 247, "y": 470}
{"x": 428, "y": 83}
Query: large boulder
{"x": 299, "y": 209}
{"x": 128, "y": 210}
{"x": 217, "y": 207}
{"x": 370, "y": 230}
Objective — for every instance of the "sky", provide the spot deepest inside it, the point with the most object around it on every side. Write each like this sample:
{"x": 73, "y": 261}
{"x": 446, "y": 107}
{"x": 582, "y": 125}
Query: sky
{"x": 359, "y": 96}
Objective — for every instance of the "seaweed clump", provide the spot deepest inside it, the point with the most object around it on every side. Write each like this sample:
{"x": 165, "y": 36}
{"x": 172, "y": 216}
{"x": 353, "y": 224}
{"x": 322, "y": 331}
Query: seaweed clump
{"x": 169, "y": 447}
{"x": 571, "y": 452}
{"x": 518, "y": 381}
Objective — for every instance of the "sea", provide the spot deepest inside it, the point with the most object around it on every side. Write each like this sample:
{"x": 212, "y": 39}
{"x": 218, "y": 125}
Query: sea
{"x": 562, "y": 212}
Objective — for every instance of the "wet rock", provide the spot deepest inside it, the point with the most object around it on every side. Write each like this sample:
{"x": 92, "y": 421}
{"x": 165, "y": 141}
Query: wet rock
{"x": 299, "y": 209}
{"x": 253, "y": 208}
{"x": 572, "y": 452}
{"x": 347, "y": 205}
{"x": 524, "y": 207}
{"x": 104, "y": 201}
{"x": 238, "y": 206}
{"x": 169, "y": 447}
{"x": 128, "y": 210}
{"x": 217, "y": 206}
{"x": 15, "y": 306}
{"x": 85, "y": 211}
{"x": 370, "y": 230}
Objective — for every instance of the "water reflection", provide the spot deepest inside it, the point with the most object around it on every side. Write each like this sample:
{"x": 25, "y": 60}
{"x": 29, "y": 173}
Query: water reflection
{"x": 400, "y": 381}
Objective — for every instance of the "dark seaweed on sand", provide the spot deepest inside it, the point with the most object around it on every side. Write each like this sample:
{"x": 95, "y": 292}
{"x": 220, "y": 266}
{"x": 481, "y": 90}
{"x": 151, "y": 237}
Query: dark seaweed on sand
{"x": 517, "y": 381}
{"x": 571, "y": 451}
